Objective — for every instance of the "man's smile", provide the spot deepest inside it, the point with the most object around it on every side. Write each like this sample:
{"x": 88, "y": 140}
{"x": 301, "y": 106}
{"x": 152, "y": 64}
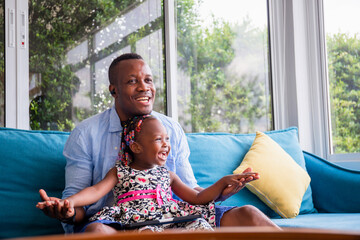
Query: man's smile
{"x": 143, "y": 99}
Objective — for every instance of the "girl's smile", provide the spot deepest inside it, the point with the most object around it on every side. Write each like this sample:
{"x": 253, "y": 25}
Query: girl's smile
{"x": 151, "y": 146}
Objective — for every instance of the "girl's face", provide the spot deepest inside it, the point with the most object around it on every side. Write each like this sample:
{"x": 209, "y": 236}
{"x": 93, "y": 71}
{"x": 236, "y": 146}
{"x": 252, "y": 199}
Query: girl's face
{"x": 152, "y": 145}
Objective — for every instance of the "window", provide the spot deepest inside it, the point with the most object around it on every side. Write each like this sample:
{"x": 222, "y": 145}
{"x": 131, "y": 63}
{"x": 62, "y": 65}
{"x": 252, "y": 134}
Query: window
{"x": 341, "y": 20}
{"x": 71, "y": 45}
{"x": 223, "y": 66}
{"x": 2, "y": 64}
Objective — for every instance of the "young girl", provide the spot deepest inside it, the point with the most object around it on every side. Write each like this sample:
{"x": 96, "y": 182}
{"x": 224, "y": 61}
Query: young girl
{"x": 143, "y": 187}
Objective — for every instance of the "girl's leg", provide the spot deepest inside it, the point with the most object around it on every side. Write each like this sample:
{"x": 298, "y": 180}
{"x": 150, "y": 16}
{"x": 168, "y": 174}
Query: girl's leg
{"x": 246, "y": 216}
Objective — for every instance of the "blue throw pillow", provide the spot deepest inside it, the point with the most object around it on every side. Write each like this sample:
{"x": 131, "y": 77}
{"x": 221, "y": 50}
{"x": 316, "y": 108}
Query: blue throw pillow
{"x": 29, "y": 160}
{"x": 214, "y": 155}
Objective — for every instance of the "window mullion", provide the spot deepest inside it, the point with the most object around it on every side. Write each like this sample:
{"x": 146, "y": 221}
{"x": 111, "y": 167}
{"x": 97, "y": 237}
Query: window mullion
{"x": 171, "y": 59}
{"x": 17, "y": 65}
{"x": 22, "y": 71}
{"x": 10, "y": 64}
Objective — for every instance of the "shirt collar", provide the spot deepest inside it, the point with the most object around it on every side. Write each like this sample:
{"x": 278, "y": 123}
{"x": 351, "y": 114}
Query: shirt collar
{"x": 115, "y": 125}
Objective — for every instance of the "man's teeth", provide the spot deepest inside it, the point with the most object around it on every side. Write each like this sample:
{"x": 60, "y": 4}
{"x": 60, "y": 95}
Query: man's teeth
{"x": 143, "y": 99}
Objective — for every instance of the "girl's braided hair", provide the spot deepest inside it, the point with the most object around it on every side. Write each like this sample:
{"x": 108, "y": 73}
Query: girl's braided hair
{"x": 130, "y": 129}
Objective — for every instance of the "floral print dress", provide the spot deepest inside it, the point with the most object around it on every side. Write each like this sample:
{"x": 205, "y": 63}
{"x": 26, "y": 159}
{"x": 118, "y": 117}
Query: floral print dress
{"x": 142, "y": 195}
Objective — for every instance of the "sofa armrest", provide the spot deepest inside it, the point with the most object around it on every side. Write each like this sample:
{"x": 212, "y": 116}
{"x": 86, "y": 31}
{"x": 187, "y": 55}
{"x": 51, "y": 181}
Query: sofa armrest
{"x": 335, "y": 189}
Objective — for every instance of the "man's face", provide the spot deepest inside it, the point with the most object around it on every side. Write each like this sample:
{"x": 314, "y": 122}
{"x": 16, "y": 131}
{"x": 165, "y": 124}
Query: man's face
{"x": 134, "y": 88}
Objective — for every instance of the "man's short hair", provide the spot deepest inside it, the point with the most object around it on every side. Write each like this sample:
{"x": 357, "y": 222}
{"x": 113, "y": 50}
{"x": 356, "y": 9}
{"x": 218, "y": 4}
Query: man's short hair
{"x": 125, "y": 56}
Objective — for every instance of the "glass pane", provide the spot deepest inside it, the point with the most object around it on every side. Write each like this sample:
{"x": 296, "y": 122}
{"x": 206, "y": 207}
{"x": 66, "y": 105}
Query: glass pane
{"x": 2, "y": 64}
{"x": 343, "y": 51}
{"x": 72, "y": 44}
{"x": 223, "y": 66}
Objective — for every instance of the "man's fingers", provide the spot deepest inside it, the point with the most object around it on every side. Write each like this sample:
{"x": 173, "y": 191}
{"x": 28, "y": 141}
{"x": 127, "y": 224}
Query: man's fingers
{"x": 249, "y": 169}
{"x": 248, "y": 179}
{"x": 40, "y": 205}
{"x": 43, "y": 195}
{"x": 49, "y": 209}
{"x": 57, "y": 209}
{"x": 66, "y": 207}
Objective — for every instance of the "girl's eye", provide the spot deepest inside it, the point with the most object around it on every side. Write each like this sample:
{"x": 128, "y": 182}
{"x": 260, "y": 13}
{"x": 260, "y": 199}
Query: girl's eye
{"x": 158, "y": 139}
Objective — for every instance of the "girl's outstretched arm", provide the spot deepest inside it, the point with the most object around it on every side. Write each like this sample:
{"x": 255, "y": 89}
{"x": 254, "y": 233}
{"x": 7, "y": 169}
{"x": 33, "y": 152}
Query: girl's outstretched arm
{"x": 212, "y": 192}
{"x": 85, "y": 197}
{"x": 94, "y": 193}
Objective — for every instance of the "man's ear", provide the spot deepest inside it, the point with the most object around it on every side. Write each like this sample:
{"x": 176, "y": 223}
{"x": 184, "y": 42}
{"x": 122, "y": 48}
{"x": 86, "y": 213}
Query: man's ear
{"x": 135, "y": 147}
{"x": 112, "y": 90}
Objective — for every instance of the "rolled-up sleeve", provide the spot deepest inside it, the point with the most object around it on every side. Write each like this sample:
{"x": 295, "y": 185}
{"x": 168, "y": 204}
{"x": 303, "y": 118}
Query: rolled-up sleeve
{"x": 79, "y": 165}
{"x": 78, "y": 170}
{"x": 183, "y": 167}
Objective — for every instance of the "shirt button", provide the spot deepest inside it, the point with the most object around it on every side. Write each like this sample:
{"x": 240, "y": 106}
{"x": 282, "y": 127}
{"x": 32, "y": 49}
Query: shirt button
{"x": 115, "y": 148}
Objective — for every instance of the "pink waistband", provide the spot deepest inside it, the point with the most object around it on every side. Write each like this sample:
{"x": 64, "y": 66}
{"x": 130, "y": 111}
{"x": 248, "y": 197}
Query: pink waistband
{"x": 136, "y": 192}
{"x": 137, "y": 197}
{"x": 153, "y": 193}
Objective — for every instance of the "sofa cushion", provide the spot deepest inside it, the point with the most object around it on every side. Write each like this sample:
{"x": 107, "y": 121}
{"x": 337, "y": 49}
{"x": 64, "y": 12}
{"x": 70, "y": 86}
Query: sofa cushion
{"x": 29, "y": 160}
{"x": 333, "y": 221}
{"x": 282, "y": 182}
{"x": 213, "y": 155}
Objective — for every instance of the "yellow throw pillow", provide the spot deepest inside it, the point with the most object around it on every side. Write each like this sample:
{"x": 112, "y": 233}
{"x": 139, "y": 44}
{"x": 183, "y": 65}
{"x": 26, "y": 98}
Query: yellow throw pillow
{"x": 282, "y": 182}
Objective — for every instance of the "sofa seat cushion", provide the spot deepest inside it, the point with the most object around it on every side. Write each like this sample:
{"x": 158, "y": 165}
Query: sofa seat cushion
{"x": 334, "y": 221}
{"x": 214, "y": 155}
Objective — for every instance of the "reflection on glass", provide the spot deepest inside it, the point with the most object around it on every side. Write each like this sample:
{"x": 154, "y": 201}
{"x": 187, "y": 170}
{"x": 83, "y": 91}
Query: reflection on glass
{"x": 223, "y": 65}
{"x": 2, "y": 64}
{"x": 72, "y": 44}
{"x": 343, "y": 44}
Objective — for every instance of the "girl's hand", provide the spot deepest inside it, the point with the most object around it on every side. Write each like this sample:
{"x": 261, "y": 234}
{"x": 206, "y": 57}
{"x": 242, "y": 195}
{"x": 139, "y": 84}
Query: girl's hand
{"x": 236, "y": 182}
{"x": 55, "y": 207}
{"x": 65, "y": 208}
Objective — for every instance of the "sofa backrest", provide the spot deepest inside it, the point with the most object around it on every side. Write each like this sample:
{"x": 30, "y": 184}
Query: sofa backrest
{"x": 213, "y": 155}
{"x": 29, "y": 160}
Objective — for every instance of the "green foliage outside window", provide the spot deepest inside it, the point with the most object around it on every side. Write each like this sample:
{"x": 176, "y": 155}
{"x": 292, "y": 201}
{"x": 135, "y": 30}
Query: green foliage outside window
{"x": 344, "y": 77}
{"x": 221, "y": 100}
{"x": 56, "y": 27}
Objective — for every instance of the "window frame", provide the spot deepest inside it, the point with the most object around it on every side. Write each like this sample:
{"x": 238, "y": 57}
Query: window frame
{"x": 298, "y": 66}
{"x": 300, "y": 77}
{"x": 330, "y": 155}
{"x": 16, "y": 72}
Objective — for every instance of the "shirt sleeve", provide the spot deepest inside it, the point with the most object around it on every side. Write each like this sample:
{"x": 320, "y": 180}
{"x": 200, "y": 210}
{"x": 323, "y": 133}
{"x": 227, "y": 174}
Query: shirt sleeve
{"x": 183, "y": 167}
{"x": 78, "y": 170}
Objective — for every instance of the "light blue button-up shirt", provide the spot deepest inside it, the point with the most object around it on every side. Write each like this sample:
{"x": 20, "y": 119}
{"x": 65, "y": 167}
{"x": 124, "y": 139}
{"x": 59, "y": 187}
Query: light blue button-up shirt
{"x": 92, "y": 149}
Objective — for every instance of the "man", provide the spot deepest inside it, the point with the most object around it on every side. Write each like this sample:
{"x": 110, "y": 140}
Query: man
{"x": 93, "y": 146}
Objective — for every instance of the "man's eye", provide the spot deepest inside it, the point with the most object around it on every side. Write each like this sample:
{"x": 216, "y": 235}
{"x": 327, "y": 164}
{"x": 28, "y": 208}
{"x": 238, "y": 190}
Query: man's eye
{"x": 132, "y": 81}
{"x": 149, "y": 80}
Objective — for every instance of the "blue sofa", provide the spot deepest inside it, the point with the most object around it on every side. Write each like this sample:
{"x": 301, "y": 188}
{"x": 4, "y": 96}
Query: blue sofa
{"x": 30, "y": 160}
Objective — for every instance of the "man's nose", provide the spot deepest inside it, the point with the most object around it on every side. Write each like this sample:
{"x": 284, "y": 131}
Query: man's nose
{"x": 143, "y": 86}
